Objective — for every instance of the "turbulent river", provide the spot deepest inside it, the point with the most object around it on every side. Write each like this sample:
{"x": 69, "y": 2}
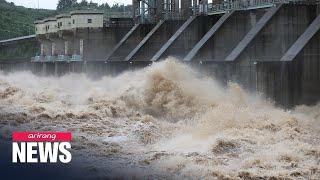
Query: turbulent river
{"x": 166, "y": 121}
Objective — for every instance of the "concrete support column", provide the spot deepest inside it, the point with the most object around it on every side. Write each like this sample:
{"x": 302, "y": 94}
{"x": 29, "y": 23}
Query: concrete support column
{"x": 81, "y": 45}
{"x": 53, "y": 48}
{"x": 42, "y": 49}
{"x": 66, "y": 47}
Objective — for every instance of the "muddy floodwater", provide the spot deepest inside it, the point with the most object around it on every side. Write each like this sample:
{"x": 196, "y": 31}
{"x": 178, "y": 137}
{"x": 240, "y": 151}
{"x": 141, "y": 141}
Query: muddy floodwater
{"x": 166, "y": 121}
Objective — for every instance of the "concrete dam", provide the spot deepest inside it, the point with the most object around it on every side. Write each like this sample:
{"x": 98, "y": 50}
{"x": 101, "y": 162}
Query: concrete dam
{"x": 267, "y": 46}
{"x": 175, "y": 89}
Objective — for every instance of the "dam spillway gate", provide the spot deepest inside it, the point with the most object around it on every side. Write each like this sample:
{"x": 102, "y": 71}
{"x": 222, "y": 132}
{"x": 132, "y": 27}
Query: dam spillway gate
{"x": 272, "y": 49}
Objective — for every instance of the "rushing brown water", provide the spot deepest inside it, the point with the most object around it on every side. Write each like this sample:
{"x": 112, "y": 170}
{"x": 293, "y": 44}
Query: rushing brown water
{"x": 169, "y": 118}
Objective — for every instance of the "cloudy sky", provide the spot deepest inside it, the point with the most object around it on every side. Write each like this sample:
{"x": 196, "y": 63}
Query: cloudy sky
{"x": 52, "y": 4}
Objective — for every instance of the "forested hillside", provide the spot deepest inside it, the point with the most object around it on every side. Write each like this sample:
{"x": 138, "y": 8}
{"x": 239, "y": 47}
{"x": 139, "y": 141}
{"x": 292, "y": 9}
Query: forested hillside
{"x": 18, "y": 21}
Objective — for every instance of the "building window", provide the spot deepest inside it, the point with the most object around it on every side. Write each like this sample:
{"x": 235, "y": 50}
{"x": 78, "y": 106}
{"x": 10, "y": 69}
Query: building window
{"x": 73, "y": 21}
{"x": 89, "y": 21}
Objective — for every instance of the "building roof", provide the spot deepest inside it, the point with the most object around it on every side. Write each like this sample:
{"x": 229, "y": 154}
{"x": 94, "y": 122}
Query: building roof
{"x": 39, "y": 22}
{"x": 49, "y": 19}
{"x": 77, "y": 12}
{"x": 67, "y": 15}
{"x": 63, "y": 16}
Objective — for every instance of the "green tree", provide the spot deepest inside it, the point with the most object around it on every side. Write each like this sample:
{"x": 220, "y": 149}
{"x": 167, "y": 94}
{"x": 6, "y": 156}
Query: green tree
{"x": 83, "y": 3}
{"x": 93, "y": 5}
{"x": 104, "y": 6}
{"x": 66, "y": 4}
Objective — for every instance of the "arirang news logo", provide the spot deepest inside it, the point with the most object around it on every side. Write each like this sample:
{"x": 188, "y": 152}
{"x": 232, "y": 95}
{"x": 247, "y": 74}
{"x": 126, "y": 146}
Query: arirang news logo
{"x": 41, "y": 147}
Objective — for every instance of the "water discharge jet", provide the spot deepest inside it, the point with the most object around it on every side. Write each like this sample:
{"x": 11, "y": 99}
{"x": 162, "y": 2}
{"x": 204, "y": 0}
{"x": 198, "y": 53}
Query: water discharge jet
{"x": 171, "y": 119}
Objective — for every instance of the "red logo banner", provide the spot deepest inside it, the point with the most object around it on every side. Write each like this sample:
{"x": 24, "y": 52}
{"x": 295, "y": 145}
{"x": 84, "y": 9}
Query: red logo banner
{"x": 41, "y": 136}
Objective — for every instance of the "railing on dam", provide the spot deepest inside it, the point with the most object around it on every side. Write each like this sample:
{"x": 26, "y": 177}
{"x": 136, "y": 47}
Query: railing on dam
{"x": 214, "y": 8}
{"x": 241, "y": 5}
{"x": 59, "y": 58}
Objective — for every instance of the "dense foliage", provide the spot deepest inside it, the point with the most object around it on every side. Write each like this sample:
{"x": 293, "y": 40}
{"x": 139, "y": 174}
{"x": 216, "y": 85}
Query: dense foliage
{"x": 67, "y": 5}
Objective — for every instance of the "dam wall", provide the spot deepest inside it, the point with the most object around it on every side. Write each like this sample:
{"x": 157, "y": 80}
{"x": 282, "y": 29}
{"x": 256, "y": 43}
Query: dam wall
{"x": 273, "y": 51}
